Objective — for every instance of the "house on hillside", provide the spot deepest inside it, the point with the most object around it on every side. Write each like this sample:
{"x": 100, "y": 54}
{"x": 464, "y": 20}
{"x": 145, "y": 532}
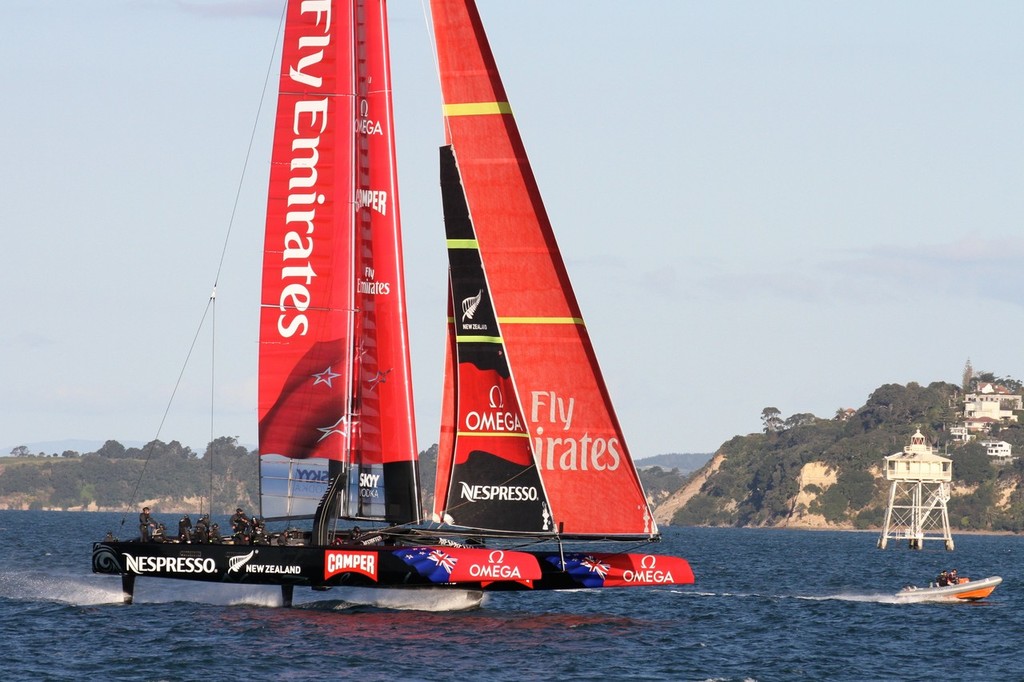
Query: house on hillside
{"x": 990, "y": 404}
{"x": 959, "y": 434}
{"x": 844, "y": 413}
{"x": 999, "y": 450}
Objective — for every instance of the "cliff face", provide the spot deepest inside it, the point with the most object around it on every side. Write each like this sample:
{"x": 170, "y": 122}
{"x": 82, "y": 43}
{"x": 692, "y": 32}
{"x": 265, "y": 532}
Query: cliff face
{"x": 664, "y": 511}
{"x": 816, "y": 474}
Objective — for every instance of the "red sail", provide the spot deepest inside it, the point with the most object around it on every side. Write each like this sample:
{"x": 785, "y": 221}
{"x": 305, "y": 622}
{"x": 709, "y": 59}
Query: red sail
{"x": 588, "y": 476}
{"x": 335, "y": 382}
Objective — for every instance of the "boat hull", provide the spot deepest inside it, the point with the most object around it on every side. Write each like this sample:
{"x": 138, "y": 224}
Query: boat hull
{"x": 413, "y": 566}
{"x": 966, "y": 589}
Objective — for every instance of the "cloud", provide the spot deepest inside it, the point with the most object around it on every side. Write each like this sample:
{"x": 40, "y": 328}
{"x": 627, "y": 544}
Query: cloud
{"x": 968, "y": 268}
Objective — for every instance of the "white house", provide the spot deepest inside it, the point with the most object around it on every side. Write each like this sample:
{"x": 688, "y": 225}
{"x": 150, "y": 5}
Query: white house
{"x": 990, "y": 404}
{"x": 998, "y": 449}
{"x": 959, "y": 434}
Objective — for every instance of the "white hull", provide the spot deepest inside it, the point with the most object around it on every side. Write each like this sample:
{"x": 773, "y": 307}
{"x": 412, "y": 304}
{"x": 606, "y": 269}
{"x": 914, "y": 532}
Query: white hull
{"x": 966, "y": 590}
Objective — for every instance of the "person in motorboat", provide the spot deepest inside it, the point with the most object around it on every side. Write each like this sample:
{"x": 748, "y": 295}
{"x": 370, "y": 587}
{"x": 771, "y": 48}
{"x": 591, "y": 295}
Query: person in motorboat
{"x": 943, "y": 579}
{"x": 954, "y": 579}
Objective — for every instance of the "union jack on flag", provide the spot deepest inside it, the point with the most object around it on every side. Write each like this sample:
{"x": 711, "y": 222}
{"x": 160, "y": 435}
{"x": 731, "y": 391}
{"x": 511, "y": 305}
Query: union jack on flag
{"x": 595, "y": 566}
{"x": 431, "y": 563}
{"x": 445, "y": 561}
{"x": 586, "y": 569}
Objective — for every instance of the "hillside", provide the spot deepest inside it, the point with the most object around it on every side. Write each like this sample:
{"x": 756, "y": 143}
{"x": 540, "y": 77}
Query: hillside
{"x": 170, "y": 477}
{"x": 801, "y": 472}
{"x": 811, "y": 472}
{"x": 166, "y": 476}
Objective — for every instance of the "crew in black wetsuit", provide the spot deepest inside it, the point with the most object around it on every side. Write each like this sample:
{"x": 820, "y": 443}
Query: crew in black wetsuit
{"x": 146, "y": 522}
{"x": 239, "y": 524}
{"x": 185, "y": 529}
{"x": 202, "y": 532}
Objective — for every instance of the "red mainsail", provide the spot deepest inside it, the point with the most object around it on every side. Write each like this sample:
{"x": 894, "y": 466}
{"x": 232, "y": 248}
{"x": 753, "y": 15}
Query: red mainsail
{"x": 335, "y": 381}
{"x": 525, "y": 391}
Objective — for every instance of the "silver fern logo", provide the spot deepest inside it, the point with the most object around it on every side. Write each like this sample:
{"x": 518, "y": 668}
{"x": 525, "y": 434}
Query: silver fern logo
{"x": 469, "y": 305}
{"x": 236, "y": 563}
{"x": 105, "y": 560}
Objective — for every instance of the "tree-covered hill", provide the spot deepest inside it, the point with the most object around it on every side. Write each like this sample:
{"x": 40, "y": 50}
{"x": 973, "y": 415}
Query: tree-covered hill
{"x": 114, "y": 477}
{"x": 758, "y": 477}
{"x": 171, "y": 477}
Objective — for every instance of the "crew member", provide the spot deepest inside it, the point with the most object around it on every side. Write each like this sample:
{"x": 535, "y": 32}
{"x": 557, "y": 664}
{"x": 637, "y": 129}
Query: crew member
{"x": 146, "y": 523}
{"x": 202, "y": 532}
{"x": 239, "y": 521}
{"x": 185, "y": 529}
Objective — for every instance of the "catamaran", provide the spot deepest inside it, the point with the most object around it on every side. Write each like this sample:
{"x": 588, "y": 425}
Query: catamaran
{"x": 534, "y": 480}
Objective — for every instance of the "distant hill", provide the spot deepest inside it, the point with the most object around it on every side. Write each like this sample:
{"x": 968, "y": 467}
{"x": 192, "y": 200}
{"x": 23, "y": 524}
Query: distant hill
{"x": 57, "y": 447}
{"x": 685, "y": 461}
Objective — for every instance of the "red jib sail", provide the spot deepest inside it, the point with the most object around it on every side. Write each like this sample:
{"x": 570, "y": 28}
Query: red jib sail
{"x": 531, "y": 432}
{"x": 335, "y": 383}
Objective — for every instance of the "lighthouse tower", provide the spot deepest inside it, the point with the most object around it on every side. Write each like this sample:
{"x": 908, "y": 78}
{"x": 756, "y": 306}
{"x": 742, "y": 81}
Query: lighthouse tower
{"x": 918, "y": 495}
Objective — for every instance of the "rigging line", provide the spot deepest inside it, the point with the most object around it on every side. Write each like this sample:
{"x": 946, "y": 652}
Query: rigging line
{"x": 213, "y": 378}
{"x": 220, "y": 264}
{"x": 252, "y": 138}
{"x": 429, "y": 23}
{"x": 167, "y": 409}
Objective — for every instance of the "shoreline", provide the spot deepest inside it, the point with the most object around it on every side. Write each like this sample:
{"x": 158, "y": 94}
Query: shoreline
{"x": 811, "y": 529}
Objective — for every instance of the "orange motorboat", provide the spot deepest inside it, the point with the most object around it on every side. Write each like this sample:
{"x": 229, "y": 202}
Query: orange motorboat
{"x": 965, "y": 588}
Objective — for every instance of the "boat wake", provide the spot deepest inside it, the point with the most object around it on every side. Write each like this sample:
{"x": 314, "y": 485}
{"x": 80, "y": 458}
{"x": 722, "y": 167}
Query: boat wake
{"x": 84, "y": 591}
{"x": 73, "y": 590}
{"x": 863, "y": 597}
{"x": 421, "y": 599}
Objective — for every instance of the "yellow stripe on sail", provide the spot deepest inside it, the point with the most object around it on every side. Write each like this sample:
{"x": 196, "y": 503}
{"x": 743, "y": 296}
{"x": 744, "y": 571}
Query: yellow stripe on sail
{"x": 463, "y": 244}
{"x": 477, "y": 109}
{"x": 497, "y": 434}
{"x": 477, "y": 339}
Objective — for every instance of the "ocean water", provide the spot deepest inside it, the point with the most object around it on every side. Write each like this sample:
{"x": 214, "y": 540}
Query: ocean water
{"x": 767, "y": 605}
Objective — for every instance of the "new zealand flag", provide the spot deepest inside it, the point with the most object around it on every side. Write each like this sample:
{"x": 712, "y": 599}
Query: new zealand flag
{"x": 432, "y": 563}
{"x": 585, "y": 569}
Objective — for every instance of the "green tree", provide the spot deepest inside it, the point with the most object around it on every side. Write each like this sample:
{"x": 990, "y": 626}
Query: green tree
{"x": 972, "y": 465}
{"x": 771, "y": 418}
{"x": 112, "y": 450}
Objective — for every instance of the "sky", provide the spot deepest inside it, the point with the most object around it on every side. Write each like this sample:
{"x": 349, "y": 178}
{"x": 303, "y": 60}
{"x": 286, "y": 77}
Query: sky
{"x": 783, "y": 204}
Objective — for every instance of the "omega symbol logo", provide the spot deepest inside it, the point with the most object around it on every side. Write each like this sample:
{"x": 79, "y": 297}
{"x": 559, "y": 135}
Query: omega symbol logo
{"x": 644, "y": 562}
{"x": 496, "y": 557}
{"x": 497, "y": 400}
{"x": 364, "y": 108}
